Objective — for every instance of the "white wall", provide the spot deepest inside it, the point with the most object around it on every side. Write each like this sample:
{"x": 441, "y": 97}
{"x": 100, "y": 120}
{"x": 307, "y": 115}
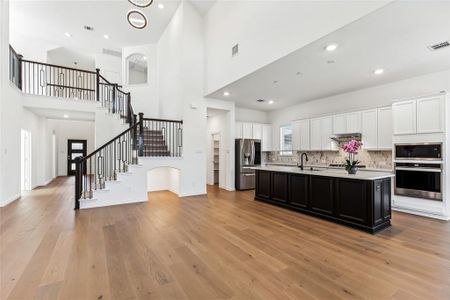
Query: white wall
{"x": 144, "y": 97}
{"x": 268, "y": 30}
{"x": 169, "y": 68}
{"x": 250, "y": 115}
{"x": 373, "y": 97}
{"x": 181, "y": 92}
{"x": 163, "y": 178}
{"x": 110, "y": 67}
{"x": 68, "y": 129}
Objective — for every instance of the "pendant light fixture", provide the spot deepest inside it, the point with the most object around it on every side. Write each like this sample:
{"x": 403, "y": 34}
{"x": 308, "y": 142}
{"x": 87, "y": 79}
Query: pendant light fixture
{"x": 142, "y": 3}
{"x": 137, "y": 19}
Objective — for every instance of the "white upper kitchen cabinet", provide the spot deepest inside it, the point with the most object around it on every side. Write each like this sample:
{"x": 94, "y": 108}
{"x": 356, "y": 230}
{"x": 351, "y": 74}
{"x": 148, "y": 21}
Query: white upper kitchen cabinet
{"x": 247, "y": 130}
{"x": 347, "y": 123}
{"x": 238, "y": 128}
{"x": 295, "y": 136}
{"x": 353, "y": 122}
{"x": 304, "y": 134}
{"x": 326, "y": 130}
{"x": 404, "y": 115}
{"x": 316, "y": 135}
{"x": 369, "y": 129}
{"x": 257, "y": 131}
{"x": 430, "y": 114}
{"x": 339, "y": 124}
{"x": 385, "y": 130}
{"x": 266, "y": 141}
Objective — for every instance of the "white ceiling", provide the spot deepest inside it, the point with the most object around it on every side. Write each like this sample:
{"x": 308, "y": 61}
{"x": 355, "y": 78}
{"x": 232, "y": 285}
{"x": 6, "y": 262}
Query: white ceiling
{"x": 47, "y": 21}
{"x": 59, "y": 114}
{"x": 394, "y": 38}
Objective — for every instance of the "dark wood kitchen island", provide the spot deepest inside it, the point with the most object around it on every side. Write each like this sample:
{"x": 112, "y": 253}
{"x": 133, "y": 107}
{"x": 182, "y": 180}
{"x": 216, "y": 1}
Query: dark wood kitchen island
{"x": 362, "y": 201}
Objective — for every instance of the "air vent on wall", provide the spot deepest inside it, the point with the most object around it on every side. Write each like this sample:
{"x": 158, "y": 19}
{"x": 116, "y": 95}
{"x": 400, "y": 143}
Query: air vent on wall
{"x": 90, "y": 28}
{"x": 112, "y": 52}
{"x": 439, "y": 46}
{"x": 235, "y": 50}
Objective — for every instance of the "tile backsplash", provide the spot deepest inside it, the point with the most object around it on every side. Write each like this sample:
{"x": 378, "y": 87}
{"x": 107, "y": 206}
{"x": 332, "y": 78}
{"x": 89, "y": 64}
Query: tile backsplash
{"x": 371, "y": 159}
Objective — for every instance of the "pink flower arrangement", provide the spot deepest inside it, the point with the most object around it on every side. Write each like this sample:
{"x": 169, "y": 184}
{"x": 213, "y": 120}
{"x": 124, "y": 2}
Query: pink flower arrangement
{"x": 352, "y": 146}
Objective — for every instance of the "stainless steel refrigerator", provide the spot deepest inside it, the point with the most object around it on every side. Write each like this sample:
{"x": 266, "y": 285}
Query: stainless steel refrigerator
{"x": 247, "y": 155}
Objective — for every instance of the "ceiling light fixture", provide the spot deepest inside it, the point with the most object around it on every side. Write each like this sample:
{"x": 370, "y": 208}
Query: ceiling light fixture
{"x": 378, "y": 71}
{"x": 161, "y": 6}
{"x": 226, "y": 94}
{"x": 68, "y": 34}
{"x": 137, "y": 19}
{"x": 106, "y": 36}
{"x": 141, "y": 3}
{"x": 271, "y": 102}
{"x": 66, "y": 116}
{"x": 331, "y": 47}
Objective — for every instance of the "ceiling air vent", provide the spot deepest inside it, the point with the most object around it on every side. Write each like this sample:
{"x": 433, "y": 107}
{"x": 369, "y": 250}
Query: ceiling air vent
{"x": 90, "y": 28}
{"x": 439, "y": 46}
{"x": 112, "y": 52}
{"x": 235, "y": 50}
{"x": 260, "y": 100}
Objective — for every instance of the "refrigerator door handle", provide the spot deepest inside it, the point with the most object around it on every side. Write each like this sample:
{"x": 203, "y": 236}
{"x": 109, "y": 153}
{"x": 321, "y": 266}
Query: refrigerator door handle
{"x": 253, "y": 152}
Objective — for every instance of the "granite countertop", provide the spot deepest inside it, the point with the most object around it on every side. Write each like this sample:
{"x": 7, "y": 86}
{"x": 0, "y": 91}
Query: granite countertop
{"x": 286, "y": 164}
{"x": 329, "y": 172}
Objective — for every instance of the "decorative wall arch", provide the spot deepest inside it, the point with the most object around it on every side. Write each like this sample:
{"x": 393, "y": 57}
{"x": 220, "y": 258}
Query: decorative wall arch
{"x": 136, "y": 69}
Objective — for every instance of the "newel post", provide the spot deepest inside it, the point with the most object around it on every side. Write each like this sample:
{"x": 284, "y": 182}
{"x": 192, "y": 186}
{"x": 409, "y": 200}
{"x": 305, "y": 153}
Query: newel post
{"x": 141, "y": 134}
{"x": 19, "y": 71}
{"x": 78, "y": 181}
{"x": 97, "y": 84}
{"x": 129, "y": 115}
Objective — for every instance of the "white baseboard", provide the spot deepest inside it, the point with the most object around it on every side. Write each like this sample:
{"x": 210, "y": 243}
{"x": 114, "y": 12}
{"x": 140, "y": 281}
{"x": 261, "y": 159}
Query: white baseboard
{"x": 421, "y": 213}
{"x": 9, "y": 200}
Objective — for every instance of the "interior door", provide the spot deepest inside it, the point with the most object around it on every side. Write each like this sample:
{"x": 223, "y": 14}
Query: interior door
{"x": 75, "y": 148}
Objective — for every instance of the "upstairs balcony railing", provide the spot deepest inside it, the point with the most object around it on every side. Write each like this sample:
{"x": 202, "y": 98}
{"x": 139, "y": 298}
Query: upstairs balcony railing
{"x": 43, "y": 79}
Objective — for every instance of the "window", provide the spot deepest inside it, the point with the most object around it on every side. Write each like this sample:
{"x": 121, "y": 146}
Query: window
{"x": 286, "y": 140}
{"x": 137, "y": 69}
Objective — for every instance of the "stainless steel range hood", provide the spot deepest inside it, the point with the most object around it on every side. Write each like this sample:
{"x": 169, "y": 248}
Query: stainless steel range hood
{"x": 346, "y": 137}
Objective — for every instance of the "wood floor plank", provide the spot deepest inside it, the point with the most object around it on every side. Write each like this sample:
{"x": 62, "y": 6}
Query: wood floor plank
{"x": 221, "y": 246}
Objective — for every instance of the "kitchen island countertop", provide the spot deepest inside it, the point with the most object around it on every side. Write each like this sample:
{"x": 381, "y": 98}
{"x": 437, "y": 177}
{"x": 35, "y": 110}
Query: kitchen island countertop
{"x": 341, "y": 173}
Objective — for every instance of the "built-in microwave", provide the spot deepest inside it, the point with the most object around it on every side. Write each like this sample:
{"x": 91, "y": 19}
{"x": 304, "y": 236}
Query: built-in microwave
{"x": 422, "y": 151}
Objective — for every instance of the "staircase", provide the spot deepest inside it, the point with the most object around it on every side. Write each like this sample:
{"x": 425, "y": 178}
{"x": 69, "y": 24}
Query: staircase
{"x": 115, "y": 165}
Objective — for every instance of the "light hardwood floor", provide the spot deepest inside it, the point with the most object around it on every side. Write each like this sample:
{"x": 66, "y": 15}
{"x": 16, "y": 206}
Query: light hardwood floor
{"x": 223, "y": 246}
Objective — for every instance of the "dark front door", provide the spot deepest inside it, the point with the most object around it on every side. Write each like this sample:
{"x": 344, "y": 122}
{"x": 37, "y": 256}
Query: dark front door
{"x": 75, "y": 148}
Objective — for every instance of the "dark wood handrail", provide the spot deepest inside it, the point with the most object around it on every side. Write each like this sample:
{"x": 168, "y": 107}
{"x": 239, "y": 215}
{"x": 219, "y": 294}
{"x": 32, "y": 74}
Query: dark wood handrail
{"x": 164, "y": 120}
{"x": 110, "y": 141}
{"x": 56, "y": 66}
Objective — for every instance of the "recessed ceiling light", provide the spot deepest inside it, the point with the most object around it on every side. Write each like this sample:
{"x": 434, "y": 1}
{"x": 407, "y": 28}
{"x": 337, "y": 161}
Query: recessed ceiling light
{"x": 378, "y": 71}
{"x": 66, "y": 116}
{"x": 331, "y": 61}
{"x": 145, "y": 57}
{"x": 161, "y": 6}
{"x": 275, "y": 81}
{"x": 106, "y": 36}
{"x": 271, "y": 102}
{"x": 68, "y": 34}
{"x": 226, "y": 93}
{"x": 299, "y": 73}
{"x": 331, "y": 47}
